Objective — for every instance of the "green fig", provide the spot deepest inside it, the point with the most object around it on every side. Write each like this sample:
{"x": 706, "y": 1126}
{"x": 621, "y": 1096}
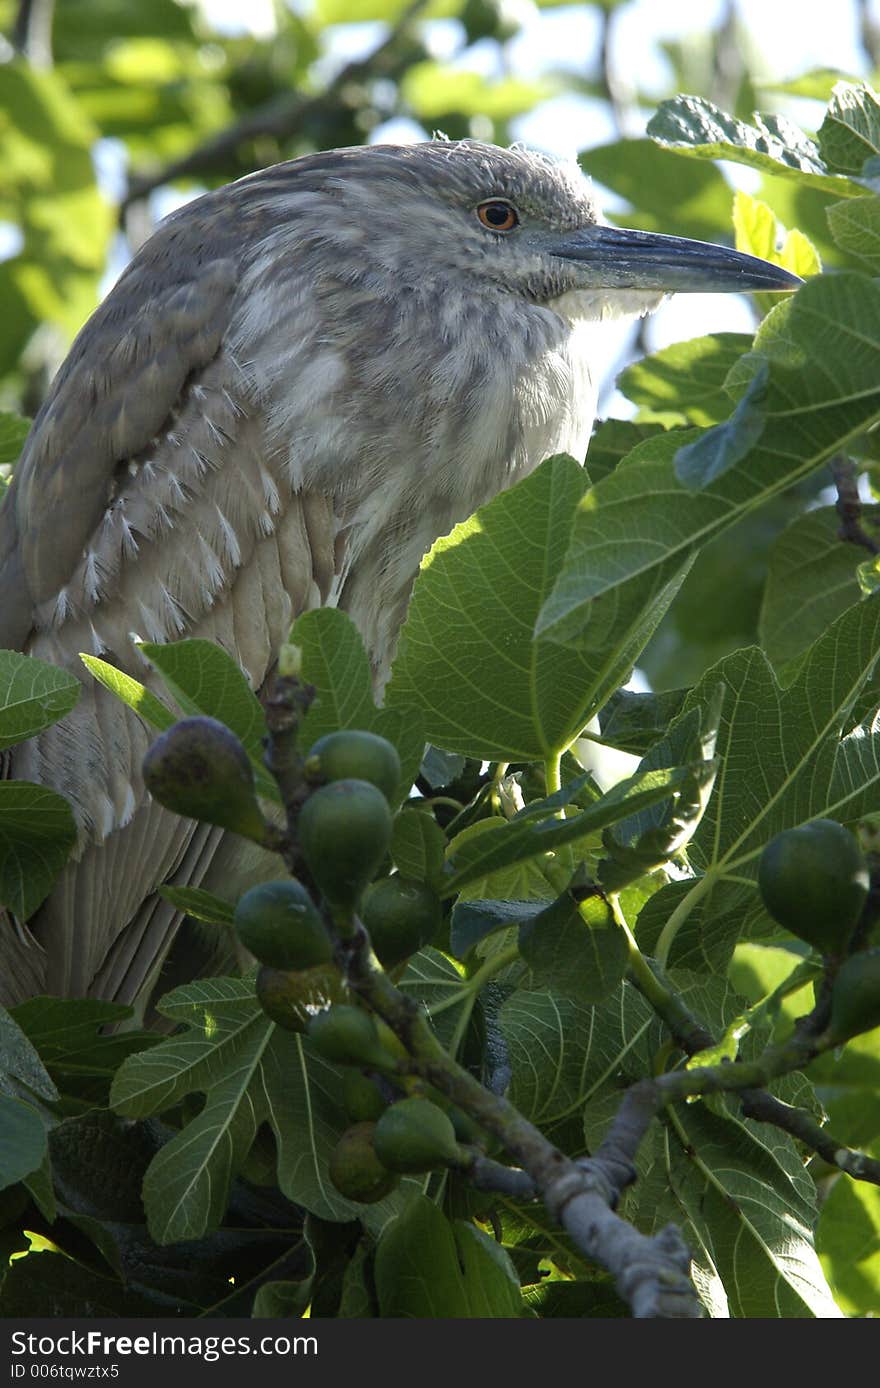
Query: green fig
{"x": 415, "y": 1135}
{"x": 401, "y": 916}
{"x": 855, "y": 996}
{"x": 292, "y": 997}
{"x": 814, "y": 881}
{"x": 199, "y": 769}
{"x": 356, "y": 1171}
{"x": 348, "y": 1036}
{"x": 281, "y": 926}
{"x": 350, "y": 755}
{"x": 361, "y": 1097}
{"x": 344, "y": 830}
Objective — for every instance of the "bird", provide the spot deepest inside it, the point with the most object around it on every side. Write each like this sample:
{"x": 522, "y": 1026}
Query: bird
{"x": 298, "y": 383}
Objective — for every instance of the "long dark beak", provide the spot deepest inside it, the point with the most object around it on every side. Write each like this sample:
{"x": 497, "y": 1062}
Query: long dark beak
{"x": 622, "y": 259}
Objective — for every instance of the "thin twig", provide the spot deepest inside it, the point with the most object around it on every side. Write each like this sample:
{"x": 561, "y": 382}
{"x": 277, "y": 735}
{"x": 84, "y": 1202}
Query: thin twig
{"x": 756, "y": 1103}
{"x": 849, "y": 504}
{"x": 869, "y": 33}
{"x": 727, "y": 59}
{"x": 32, "y": 31}
{"x": 618, "y": 92}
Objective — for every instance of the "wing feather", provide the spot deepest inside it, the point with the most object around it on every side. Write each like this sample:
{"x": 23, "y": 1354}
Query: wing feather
{"x": 147, "y": 501}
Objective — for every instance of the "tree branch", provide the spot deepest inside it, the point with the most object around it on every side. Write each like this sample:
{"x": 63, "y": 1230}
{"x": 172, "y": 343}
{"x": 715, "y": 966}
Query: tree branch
{"x": 281, "y": 117}
{"x": 849, "y": 504}
{"x": 692, "y": 1037}
{"x": 32, "y": 31}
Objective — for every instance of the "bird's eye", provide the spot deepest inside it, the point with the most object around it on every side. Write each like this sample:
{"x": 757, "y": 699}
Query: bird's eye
{"x": 497, "y": 215}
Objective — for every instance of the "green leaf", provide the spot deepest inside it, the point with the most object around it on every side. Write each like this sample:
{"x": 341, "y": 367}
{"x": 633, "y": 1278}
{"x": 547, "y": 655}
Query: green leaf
{"x": 440, "y": 768}
{"x": 283, "y": 1299}
{"x": 848, "y": 1083}
{"x": 612, "y": 440}
{"x": 848, "y": 1243}
{"x": 204, "y": 679}
{"x": 758, "y": 233}
{"x": 357, "y": 1300}
{"x": 473, "y": 921}
{"x": 818, "y": 83}
{"x": 250, "y": 1072}
{"x": 335, "y": 662}
{"x": 41, "y": 1187}
{"x": 668, "y": 194}
{"x": 23, "y": 1141}
{"x": 52, "y": 1285}
{"x": 788, "y": 756}
{"x": 684, "y": 383}
{"x": 50, "y": 193}
{"x": 37, "y": 832}
{"x": 855, "y": 226}
{"x": 430, "y": 1267}
{"x": 691, "y": 125}
{"x": 649, "y": 839}
{"x": 14, "y": 430}
{"x": 33, "y": 696}
{"x": 768, "y": 977}
{"x": 431, "y": 980}
{"x": 70, "y": 1037}
{"x": 131, "y": 692}
{"x": 418, "y": 846}
{"x": 434, "y": 90}
{"x": 561, "y": 1051}
{"x": 812, "y": 578}
{"x": 823, "y": 347}
{"x": 467, "y": 657}
{"x": 359, "y": 11}
{"x": 575, "y": 1300}
{"x": 633, "y": 722}
{"x": 699, "y": 464}
{"x": 575, "y": 949}
{"x": 26, "y": 1096}
{"x": 201, "y": 905}
{"x": 738, "y": 1192}
{"x": 527, "y": 836}
{"x": 717, "y": 608}
{"x": 82, "y": 32}
{"x": 850, "y": 132}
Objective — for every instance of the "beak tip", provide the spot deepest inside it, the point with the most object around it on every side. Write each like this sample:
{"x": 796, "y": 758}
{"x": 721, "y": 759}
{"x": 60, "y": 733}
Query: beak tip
{"x": 785, "y": 282}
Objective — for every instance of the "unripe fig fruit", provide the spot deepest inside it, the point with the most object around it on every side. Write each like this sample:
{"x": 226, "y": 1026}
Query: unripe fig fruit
{"x": 199, "y": 769}
{"x": 361, "y": 1097}
{"x": 348, "y": 1036}
{"x": 293, "y": 997}
{"x": 352, "y": 755}
{"x": 344, "y": 830}
{"x": 356, "y": 1171}
{"x": 855, "y": 996}
{"x": 466, "y": 1130}
{"x": 401, "y": 916}
{"x": 415, "y": 1135}
{"x": 281, "y": 926}
{"x": 814, "y": 881}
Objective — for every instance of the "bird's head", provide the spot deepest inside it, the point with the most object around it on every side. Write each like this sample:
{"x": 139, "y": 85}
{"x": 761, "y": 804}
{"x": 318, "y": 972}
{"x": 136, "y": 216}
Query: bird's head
{"x": 505, "y": 219}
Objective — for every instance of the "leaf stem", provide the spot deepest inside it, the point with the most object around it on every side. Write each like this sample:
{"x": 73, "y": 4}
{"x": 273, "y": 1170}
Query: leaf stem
{"x": 684, "y": 908}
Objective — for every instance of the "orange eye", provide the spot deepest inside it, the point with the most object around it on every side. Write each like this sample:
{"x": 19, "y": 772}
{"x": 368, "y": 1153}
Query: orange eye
{"x": 497, "y": 215}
